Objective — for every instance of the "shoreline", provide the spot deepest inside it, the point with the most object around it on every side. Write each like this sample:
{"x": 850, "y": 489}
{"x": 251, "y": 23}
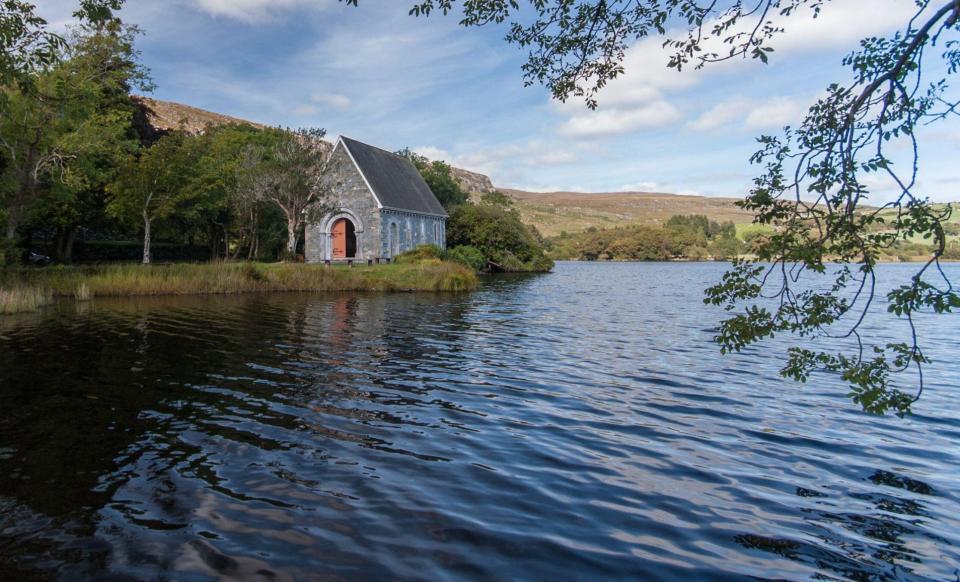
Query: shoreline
{"x": 29, "y": 289}
{"x": 919, "y": 261}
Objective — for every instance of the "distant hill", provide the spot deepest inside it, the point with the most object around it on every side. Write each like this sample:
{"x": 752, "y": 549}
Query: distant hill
{"x": 556, "y": 212}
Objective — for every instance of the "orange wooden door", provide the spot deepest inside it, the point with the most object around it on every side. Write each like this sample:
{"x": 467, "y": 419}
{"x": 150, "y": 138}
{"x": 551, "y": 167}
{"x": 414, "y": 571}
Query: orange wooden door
{"x": 340, "y": 239}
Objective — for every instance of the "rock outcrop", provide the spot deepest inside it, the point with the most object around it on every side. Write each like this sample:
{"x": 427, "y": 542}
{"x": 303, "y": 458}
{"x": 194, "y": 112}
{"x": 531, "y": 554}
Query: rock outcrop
{"x": 472, "y": 181}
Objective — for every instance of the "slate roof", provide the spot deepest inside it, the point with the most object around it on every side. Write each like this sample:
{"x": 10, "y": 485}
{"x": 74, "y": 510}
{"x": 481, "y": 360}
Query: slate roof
{"x": 394, "y": 179}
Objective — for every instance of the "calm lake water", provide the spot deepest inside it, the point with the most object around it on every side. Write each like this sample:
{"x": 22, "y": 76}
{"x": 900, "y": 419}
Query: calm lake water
{"x": 573, "y": 426}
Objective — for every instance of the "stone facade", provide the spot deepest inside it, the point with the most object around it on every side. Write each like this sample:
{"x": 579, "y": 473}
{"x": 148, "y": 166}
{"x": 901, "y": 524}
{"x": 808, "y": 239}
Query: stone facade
{"x": 403, "y": 231}
{"x": 381, "y": 233}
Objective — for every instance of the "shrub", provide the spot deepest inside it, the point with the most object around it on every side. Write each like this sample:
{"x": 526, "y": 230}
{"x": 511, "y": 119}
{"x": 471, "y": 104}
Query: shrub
{"x": 423, "y": 253}
{"x": 467, "y": 256}
{"x": 695, "y": 253}
{"x": 496, "y": 198}
{"x": 498, "y": 233}
{"x": 725, "y": 248}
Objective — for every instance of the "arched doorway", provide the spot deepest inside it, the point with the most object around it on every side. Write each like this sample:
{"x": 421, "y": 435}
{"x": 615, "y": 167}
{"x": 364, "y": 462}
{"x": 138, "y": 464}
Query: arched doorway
{"x": 344, "y": 239}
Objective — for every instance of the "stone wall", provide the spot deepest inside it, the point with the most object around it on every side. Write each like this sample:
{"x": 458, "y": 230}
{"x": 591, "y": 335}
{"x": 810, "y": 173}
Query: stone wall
{"x": 403, "y": 231}
{"x": 357, "y": 204}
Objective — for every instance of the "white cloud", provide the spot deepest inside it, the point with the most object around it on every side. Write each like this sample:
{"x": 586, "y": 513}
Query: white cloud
{"x": 433, "y": 153}
{"x": 337, "y": 101}
{"x": 775, "y": 113}
{"x": 507, "y": 163}
{"x": 306, "y": 109}
{"x": 320, "y": 102}
{"x": 841, "y": 24}
{"x": 642, "y": 96}
{"x": 639, "y": 187}
{"x": 554, "y": 158}
{"x": 721, "y": 114}
{"x": 251, "y": 11}
{"x": 752, "y": 114}
{"x": 616, "y": 120}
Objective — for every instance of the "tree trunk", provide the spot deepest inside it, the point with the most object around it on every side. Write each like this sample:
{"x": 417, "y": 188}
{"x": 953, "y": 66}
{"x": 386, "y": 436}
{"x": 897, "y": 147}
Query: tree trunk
{"x": 68, "y": 246}
{"x": 66, "y": 236}
{"x": 226, "y": 241}
{"x": 146, "y": 238}
{"x": 213, "y": 240}
{"x": 291, "y": 239}
{"x": 254, "y": 235}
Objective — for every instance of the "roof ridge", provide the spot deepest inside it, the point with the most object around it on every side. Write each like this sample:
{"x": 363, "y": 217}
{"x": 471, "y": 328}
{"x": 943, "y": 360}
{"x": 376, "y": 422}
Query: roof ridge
{"x": 363, "y": 143}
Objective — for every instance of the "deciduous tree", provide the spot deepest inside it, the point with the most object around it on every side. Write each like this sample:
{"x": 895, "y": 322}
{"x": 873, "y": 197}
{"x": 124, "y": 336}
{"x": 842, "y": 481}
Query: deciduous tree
{"x": 292, "y": 175}
{"x": 155, "y": 185}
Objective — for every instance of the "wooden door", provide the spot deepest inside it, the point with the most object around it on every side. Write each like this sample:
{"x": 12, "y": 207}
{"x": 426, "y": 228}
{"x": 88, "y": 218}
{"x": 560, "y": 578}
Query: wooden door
{"x": 340, "y": 239}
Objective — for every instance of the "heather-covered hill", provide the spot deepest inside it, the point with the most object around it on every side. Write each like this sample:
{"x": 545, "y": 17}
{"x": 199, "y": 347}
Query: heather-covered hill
{"x": 556, "y": 212}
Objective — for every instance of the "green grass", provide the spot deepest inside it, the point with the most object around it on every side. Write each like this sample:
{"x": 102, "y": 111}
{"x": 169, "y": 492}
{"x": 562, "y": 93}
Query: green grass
{"x": 28, "y": 289}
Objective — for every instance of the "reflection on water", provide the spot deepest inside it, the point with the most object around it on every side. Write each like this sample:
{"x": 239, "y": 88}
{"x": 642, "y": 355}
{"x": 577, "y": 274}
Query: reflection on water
{"x": 574, "y": 425}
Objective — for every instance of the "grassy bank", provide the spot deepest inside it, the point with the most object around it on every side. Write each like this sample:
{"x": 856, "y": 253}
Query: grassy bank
{"x": 28, "y": 289}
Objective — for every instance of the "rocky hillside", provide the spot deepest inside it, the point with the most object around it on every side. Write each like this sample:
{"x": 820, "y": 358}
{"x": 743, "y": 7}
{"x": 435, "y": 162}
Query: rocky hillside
{"x": 472, "y": 181}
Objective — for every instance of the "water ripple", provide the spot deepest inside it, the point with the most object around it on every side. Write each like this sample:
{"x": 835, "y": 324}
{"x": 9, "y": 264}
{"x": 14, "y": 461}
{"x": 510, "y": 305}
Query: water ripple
{"x": 579, "y": 425}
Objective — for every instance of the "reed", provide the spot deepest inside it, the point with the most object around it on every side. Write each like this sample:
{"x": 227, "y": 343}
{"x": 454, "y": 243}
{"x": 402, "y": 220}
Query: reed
{"x": 29, "y": 289}
{"x": 22, "y": 299}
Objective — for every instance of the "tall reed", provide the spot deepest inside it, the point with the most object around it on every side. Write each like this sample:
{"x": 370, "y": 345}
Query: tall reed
{"x": 21, "y": 299}
{"x": 32, "y": 288}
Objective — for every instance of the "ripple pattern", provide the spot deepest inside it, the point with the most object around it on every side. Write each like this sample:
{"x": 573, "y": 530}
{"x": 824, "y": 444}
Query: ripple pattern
{"x": 573, "y": 426}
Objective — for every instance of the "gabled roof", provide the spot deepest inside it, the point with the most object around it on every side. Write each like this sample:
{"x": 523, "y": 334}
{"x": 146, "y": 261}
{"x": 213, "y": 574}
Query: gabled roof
{"x": 394, "y": 179}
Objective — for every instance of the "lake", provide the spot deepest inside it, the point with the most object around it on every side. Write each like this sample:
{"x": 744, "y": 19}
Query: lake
{"x": 579, "y": 425}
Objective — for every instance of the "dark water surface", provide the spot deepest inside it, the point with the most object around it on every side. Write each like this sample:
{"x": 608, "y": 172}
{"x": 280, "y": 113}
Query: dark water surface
{"x": 573, "y": 426}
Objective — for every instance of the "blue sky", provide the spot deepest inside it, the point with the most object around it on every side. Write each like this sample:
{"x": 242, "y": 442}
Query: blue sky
{"x": 378, "y": 75}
